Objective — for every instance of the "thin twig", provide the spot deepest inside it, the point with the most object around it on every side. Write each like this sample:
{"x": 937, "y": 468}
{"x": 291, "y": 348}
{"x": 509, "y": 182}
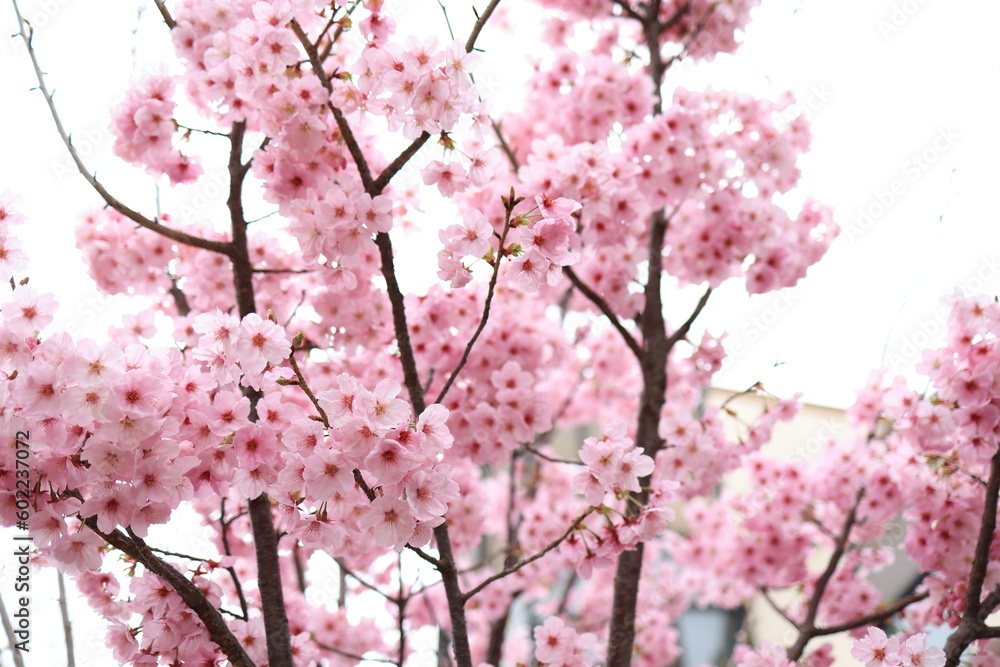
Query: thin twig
{"x": 175, "y": 554}
{"x": 352, "y": 656}
{"x": 309, "y": 392}
{"x": 686, "y": 327}
{"x": 774, "y": 605}
{"x": 508, "y": 151}
{"x": 366, "y": 584}
{"x": 874, "y": 618}
{"x": 224, "y": 525}
{"x": 807, "y": 630}
{"x": 480, "y": 24}
{"x": 221, "y": 247}
{"x": 509, "y": 205}
{"x": 531, "y": 559}
{"x": 603, "y": 306}
{"x": 550, "y": 459}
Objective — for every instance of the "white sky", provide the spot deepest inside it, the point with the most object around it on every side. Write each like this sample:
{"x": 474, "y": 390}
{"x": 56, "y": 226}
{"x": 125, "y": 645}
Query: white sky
{"x": 884, "y": 82}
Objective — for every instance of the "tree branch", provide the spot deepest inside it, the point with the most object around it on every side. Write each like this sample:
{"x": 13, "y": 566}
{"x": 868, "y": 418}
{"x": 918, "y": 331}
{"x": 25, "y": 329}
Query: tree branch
{"x": 480, "y": 24}
{"x": 531, "y": 559}
{"x": 686, "y": 327}
{"x": 165, "y": 13}
{"x": 603, "y": 306}
{"x": 973, "y": 624}
{"x": 807, "y": 630}
{"x": 172, "y": 234}
{"x": 305, "y": 387}
{"x": 224, "y": 526}
{"x": 211, "y": 618}
{"x": 509, "y": 204}
{"x": 874, "y": 618}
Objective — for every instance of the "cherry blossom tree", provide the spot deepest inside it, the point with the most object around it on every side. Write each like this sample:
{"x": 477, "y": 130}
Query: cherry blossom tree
{"x": 320, "y": 415}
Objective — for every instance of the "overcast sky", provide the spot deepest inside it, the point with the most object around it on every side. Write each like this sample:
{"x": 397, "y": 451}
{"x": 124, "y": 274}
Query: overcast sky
{"x": 901, "y": 94}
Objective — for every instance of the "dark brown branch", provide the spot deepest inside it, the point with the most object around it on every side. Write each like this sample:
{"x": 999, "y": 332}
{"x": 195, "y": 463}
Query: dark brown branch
{"x": 210, "y": 617}
{"x": 180, "y": 299}
{"x": 272, "y": 597}
{"x": 686, "y": 327}
{"x": 345, "y": 129}
{"x": 603, "y": 306}
{"x": 628, "y": 11}
{"x": 509, "y": 205}
{"x": 480, "y": 24}
{"x": 224, "y": 535}
{"x": 807, "y": 630}
{"x": 300, "y": 572}
{"x": 529, "y": 560}
{"x": 973, "y": 624}
{"x": 305, "y": 387}
{"x": 875, "y": 618}
{"x": 165, "y": 13}
{"x": 383, "y": 179}
{"x": 977, "y": 576}
{"x": 411, "y": 378}
{"x": 172, "y": 234}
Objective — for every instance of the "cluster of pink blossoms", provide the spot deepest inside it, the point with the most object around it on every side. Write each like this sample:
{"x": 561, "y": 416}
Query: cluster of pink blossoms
{"x": 541, "y": 244}
{"x": 144, "y": 129}
{"x": 878, "y": 650}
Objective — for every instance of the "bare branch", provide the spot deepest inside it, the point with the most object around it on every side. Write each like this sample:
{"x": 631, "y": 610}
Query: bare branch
{"x": 686, "y": 327}
{"x": 480, "y": 24}
{"x": 774, "y": 605}
{"x": 603, "y": 306}
{"x": 165, "y": 13}
{"x": 531, "y": 559}
{"x": 509, "y": 205}
{"x": 172, "y": 234}
{"x": 224, "y": 525}
{"x": 874, "y": 618}
{"x": 305, "y": 387}
{"x": 973, "y": 624}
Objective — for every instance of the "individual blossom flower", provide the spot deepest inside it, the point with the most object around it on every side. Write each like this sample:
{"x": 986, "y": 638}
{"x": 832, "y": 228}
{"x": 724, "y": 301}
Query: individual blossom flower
{"x": 260, "y": 342}
{"x": 381, "y": 407}
{"x": 877, "y": 650}
{"x": 554, "y": 640}
{"x": 391, "y": 521}
{"x": 913, "y": 653}
{"x": 29, "y": 311}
